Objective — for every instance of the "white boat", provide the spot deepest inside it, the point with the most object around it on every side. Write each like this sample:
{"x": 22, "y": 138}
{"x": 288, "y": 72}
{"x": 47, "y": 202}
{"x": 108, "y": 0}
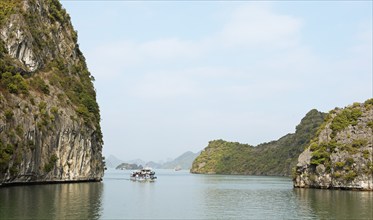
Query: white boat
{"x": 145, "y": 174}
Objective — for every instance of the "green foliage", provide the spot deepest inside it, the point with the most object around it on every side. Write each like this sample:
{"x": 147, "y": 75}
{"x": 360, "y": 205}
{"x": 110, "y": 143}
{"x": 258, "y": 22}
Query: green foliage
{"x": 39, "y": 84}
{"x": 48, "y": 167}
{"x": 308, "y": 126}
{"x": 53, "y": 158}
{"x": 340, "y": 164}
{"x": 351, "y": 175}
{"x": 3, "y": 51}
{"x": 354, "y": 147}
{"x": 79, "y": 90}
{"x": 273, "y": 158}
{"x": 358, "y": 143}
{"x": 321, "y": 152}
{"x": 366, "y": 154}
{"x": 227, "y": 156}
{"x": 52, "y": 161}
{"x": 13, "y": 170}
{"x": 19, "y": 130}
{"x": 345, "y": 118}
{"x": 14, "y": 83}
{"x": 89, "y": 102}
{"x": 370, "y": 125}
{"x": 350, "y": 161}
{"x": 320, "y": 157}
{"x": 314, "y": 146}
{"x": 312, "y": 177}
{"x": 54, "y": 110}
{"x": 44, "y": 118}
{"x": 42, "y": 106}
{"x": 368, "y": 102}
{"x": 32, "y": 101}
{"x": 83, "y": 112}
{"x": 293, "y": 173}
{"x": 370, "y": 167}
{"x": 31, "y": 144}
{"x": 7, "y": 7}
{"x": 56, "y": 12}
{"x": 337, "y": 174}
{"x": 8, "y": 114}
{"x": 6, "y": 152}
{"x": 348, "y": 148}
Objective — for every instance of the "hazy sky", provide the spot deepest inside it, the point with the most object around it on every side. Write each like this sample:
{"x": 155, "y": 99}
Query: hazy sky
{"x": 171, "y": 76}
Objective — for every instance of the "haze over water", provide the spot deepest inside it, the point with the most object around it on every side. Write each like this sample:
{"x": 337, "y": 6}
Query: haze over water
{"x": 181, "y": 195}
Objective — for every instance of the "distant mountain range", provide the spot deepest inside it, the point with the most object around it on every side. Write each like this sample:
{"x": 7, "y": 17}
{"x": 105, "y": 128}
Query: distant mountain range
{"x": 183, "y": 162}
{"x": 112, "y": 161}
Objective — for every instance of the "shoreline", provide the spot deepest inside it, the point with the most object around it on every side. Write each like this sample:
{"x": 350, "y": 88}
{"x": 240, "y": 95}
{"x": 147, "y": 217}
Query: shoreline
{"x": 10, "y": 184}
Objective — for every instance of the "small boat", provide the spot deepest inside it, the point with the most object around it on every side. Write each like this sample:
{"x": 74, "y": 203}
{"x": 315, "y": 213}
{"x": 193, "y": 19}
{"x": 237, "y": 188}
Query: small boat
{"x": 145, "y": 174}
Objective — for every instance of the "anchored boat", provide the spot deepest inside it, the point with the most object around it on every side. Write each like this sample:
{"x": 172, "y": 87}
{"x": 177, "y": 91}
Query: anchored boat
{"x": 146, "y": 174}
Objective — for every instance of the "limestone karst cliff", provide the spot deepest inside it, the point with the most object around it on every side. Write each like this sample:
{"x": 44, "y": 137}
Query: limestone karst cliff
{"x": 340, "y": 156}
{"x": 49, "y": 117}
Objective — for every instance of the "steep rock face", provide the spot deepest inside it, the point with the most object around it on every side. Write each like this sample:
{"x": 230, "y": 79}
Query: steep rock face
{"x": 49, "y": 117}
{"x": 38, "y": 31}
{"x": 341, "y": 154}
{"x": 273, "y": 158}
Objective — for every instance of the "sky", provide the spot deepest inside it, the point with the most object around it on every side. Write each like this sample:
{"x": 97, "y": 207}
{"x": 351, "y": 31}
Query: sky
{"x": 173, "y": 75}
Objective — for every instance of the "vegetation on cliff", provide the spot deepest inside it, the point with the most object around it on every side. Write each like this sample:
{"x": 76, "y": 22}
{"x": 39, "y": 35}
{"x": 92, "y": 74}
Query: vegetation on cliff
{"x": 46, "y": 94}
{"x": 340, "y": 156}
{"x": 273, "y": 158}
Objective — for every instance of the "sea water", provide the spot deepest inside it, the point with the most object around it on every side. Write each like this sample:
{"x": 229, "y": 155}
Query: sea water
{"x": 181, "y": 195}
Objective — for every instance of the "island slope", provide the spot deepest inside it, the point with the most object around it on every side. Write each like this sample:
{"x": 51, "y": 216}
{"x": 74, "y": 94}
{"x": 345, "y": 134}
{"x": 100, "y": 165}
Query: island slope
{"x": 273, "y": 158}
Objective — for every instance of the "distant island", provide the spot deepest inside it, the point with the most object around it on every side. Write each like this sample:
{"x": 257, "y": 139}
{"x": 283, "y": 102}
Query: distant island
{"x": 274, "y": 158}
{"x": 127, "y": 166}
{"x": 328, "y": 151}
{"x": 182, "y": 162}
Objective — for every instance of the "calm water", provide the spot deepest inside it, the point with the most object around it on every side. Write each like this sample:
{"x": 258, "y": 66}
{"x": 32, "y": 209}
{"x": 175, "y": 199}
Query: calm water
{"x": 180, "y": 195}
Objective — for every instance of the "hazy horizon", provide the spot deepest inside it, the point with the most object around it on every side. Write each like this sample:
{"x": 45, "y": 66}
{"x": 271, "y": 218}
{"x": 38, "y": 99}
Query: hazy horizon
{"x": 172, "y": 76}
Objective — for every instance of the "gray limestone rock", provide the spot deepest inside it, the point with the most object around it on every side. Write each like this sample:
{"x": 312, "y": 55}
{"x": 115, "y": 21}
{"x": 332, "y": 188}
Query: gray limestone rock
{"x": 341, "y": 156}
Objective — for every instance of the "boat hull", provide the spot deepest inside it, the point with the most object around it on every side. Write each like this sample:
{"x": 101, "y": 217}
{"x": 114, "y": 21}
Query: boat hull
{"x": 140, "y": 179}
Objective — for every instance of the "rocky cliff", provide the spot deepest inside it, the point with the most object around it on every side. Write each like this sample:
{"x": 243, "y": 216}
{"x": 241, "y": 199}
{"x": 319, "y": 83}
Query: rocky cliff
{"x": 273, "y": 158}
{"x": 341, "y": 154}
{"x": 49, "y": 117}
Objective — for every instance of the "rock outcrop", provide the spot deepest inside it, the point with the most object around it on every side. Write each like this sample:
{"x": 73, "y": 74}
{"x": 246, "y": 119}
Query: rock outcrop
{"x": 49, "y": 118}
{"x": 341, "y": 156}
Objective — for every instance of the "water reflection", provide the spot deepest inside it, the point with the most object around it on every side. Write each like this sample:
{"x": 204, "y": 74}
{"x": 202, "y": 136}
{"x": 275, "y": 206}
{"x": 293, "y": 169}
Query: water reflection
{"x": 336, "y": 204}
{"x": 248, "y": 197}
{"x": 183, "y": 196}
{"x": 57, "y": 201}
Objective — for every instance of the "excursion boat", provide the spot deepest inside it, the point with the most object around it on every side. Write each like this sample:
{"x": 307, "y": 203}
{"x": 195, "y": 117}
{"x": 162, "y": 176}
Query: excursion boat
{"x": 146, "y": 174}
